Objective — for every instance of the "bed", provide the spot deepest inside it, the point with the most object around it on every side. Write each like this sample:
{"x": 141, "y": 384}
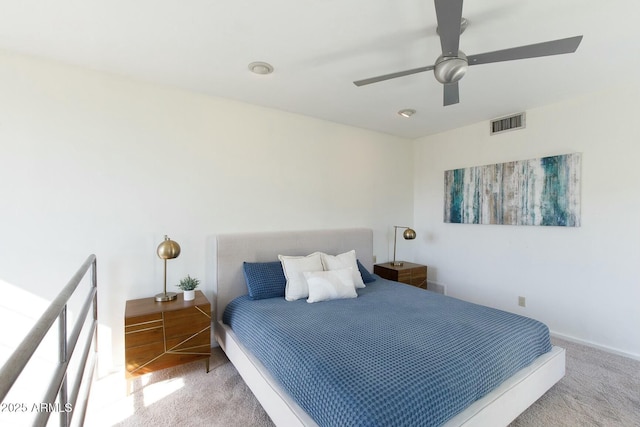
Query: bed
{"x": 499, "y": 406}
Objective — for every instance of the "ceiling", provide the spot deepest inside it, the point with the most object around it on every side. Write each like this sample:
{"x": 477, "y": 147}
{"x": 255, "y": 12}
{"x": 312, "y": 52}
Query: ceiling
{"x": 318, "y": 48}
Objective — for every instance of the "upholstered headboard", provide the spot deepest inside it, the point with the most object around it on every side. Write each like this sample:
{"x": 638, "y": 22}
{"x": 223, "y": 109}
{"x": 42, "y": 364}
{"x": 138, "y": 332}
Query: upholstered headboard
{"x": 233, "y": 249}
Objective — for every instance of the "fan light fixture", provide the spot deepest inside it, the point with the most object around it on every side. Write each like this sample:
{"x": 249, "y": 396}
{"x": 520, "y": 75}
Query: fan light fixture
{"x": 408, "y": 234}
{"x": 168, "y": 249}
{"x": 407, "y": 112}
{"x": 261, "y": 68}
{"x": 452, "y": 65}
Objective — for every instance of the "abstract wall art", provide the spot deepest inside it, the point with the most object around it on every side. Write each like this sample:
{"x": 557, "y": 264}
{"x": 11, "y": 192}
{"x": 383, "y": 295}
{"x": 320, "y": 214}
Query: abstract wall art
{"x": 543, "y": 191}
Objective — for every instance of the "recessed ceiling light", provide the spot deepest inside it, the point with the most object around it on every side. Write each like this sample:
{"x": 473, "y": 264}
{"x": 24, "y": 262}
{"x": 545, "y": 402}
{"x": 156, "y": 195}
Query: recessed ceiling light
{"x": 261, "y": 68}
{"x": 407, "y": 112}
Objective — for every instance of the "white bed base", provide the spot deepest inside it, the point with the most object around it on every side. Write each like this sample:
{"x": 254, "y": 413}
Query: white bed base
{"x": 498, "y": 408}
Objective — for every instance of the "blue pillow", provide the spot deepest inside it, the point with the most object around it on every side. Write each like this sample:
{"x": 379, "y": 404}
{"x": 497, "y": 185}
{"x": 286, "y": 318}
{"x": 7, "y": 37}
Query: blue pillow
{"x": 366, "y": 276}
{"x": 264, "y": 279}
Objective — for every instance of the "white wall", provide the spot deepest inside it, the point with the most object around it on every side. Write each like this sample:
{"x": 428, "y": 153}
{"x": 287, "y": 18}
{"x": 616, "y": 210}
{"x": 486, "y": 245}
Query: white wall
{"x": 93, "y": 163}
{"x": 583, "y": 282}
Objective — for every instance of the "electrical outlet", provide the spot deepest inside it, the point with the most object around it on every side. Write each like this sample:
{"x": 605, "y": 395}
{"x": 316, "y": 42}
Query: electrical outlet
{"x": 522, "y": 301}
{"x": 375, "y": 259}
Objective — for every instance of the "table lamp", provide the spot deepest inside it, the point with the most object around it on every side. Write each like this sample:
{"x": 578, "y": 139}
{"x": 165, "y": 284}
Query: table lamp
{"x": 168, "y": 249}
{"x": 409, "y": 234}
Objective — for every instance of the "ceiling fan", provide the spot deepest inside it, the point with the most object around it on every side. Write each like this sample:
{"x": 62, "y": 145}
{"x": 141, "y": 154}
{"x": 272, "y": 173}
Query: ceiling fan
{"x": 452, "y": 65}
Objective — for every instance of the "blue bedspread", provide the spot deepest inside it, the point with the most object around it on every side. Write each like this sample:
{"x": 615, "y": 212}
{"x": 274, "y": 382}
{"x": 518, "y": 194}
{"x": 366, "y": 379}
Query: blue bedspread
{"x": 395, "y": 356}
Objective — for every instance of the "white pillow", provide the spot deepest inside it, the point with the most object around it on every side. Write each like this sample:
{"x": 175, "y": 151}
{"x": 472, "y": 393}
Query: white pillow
{"x": 328, "y": 285}
{"x": 293, "y": 267}
{"x": 347, "y": 259}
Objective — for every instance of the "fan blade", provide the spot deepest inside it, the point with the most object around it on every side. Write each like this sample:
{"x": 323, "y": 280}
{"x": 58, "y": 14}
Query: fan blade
{"x": 554, "y": 47}
{"x": 451, "y": 94}
{"x": 449, "y": 14}
{"x": 392, "y": 76}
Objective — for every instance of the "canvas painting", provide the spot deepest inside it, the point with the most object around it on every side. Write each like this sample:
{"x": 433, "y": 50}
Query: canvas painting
{"x": 544, "y": 191}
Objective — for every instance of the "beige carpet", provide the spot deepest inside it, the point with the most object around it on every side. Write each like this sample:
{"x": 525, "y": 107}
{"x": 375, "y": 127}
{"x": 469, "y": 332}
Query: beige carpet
{"x": 600, "y": 389}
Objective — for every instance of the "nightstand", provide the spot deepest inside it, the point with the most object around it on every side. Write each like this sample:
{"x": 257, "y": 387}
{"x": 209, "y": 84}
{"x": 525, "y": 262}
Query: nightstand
{"x": 160, "y": 335}
{"x": 409, "y": 273}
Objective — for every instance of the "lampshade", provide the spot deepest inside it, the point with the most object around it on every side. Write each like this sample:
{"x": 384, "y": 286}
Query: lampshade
{"x": 408, "y": 234}
{"x": 168, "y": 249}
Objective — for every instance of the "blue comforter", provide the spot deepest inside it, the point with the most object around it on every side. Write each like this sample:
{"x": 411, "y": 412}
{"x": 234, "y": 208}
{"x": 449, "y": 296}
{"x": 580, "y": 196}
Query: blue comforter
{"x": 395, "y": 356}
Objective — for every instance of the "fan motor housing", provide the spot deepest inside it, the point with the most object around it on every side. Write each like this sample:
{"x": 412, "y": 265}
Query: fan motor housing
{"x": 450, "y": 69}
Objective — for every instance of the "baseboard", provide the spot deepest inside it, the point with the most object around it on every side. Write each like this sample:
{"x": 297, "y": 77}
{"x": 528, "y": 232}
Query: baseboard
{"x": 437, "y": 287}
{"x": 596, "y": 346}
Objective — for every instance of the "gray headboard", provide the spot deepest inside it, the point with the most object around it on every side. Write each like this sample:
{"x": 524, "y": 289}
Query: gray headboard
{"x": 233, "y": 249}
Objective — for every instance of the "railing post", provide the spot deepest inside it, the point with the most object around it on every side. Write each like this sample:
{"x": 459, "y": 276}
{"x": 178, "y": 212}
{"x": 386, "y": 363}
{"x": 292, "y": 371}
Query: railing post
{"x": 94, "y": 284}
{"x": 62, "y": 359}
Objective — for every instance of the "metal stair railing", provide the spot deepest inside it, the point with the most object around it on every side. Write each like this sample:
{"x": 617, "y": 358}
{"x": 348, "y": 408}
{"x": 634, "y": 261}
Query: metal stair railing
{"x": 58, "y": 387}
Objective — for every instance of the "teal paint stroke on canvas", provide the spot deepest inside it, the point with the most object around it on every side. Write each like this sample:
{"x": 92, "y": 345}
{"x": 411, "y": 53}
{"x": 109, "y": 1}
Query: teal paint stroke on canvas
{"x": 543, "y": 191}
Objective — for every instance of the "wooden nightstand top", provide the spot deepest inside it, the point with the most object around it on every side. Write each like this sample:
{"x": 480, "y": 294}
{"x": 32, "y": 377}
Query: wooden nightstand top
{"x": 144, "y": 306}
{"x": 405, "y": 266}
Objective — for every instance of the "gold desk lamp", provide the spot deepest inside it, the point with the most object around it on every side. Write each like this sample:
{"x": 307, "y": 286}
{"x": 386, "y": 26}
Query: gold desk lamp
{"x": 168, "y": 249}
{"x": 409, "y": 234}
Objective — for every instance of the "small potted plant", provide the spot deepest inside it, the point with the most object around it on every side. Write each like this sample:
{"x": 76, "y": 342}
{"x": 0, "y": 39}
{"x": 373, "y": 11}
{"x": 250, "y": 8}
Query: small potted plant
{"x": 188, "y": 285}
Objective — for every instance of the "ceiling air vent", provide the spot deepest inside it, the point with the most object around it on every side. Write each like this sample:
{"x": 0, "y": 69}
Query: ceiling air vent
{"x": 508, "y": 123}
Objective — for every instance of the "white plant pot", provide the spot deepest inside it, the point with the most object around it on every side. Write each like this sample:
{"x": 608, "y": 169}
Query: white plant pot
{"x": 189, "y": 295}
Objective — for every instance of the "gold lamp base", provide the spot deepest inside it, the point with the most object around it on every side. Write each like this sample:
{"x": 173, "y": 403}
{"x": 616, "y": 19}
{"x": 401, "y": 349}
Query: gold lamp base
{"x": 397, "y": 263}
{"x": 166, "y": 296}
